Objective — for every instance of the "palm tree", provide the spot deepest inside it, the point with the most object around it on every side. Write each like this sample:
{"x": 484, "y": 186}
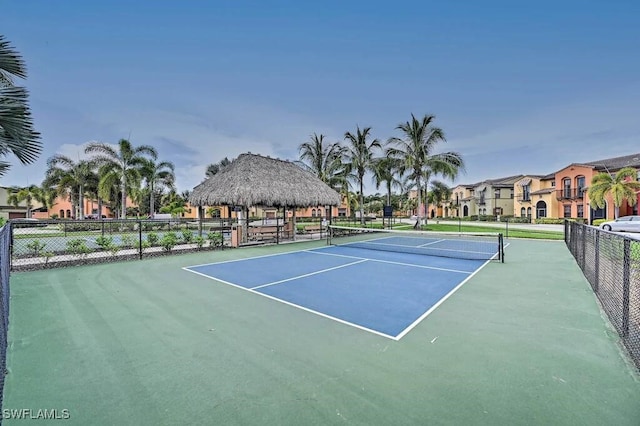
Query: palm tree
{"x": 213, "y": 169}
{"x": 415, "y": 151}
{"x": 157, "y": 176}
{"x": 123, "y": 164}
{"x": 624, "y": 186}
{"x": 384, "y": 170}
{"x": 29, "y": 194}
{"x": 49, "y": 194}
{"x": 323, "y": 159}
{"x": 359, "y": 158}
{"x": 17, "y": 135}
{"x": 440, "y": 193}
{"x": 70, "y": 176}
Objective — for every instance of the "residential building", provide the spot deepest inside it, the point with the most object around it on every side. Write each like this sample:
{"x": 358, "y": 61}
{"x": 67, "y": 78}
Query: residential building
{"x": 9, "y": 211}
{"x": 535, "y": 197}
{"x": 457, "y": 207}
{"x": 573, "y": 182}
{"x": 494, "y": 197}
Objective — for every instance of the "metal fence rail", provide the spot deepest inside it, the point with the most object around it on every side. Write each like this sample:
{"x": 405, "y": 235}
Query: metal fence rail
{"x": 5, "y": 258}
{"x": 611, "y": 264}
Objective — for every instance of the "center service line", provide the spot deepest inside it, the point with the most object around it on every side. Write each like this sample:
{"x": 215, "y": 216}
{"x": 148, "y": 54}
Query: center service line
{"x": 309, "y": 274}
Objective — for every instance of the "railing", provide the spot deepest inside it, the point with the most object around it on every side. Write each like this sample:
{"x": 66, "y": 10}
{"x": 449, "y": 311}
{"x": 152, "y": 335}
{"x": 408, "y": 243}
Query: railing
{"x": 570, "y": 194}
{"x": 523, "y": 197}
{"x": 611, "y": 264}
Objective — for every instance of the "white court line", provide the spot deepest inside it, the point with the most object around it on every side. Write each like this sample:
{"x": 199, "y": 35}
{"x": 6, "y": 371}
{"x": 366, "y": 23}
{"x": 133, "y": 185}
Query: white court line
{"x": 246, "y": 258}
{"x": 432, "y": 242}
{"x": 438, "y": 303}
{"x": 391, "y": 262}
{"x": 309, "y": 274}
{"x": 296, "y": 306}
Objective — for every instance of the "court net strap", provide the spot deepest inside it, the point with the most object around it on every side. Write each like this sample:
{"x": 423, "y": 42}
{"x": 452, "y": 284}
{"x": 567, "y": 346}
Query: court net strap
{"x": 464, "y": 245}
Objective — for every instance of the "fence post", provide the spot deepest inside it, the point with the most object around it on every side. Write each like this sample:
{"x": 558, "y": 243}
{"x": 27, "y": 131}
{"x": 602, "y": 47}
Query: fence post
{"x": 626, "y": 272}
{"x": 140, "y": 239}
{"x": 596, "y": 280}
{"x": 584, "y": 246}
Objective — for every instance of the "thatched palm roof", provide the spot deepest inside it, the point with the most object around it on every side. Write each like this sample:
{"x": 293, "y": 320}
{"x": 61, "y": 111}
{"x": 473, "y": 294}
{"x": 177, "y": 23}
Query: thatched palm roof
{"x": 254, "y": 180}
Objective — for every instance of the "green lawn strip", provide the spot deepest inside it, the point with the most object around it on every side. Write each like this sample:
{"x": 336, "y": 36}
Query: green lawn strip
{"x": 516, "y": 233}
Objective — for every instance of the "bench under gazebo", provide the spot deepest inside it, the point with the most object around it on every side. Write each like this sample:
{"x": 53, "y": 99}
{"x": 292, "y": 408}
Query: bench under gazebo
{"x": 253, "y": 180}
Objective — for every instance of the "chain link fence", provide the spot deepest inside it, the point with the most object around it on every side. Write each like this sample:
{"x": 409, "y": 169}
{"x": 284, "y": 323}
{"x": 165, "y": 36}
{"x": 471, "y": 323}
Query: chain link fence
{"x": 611, "y": 264}
{"x": 48, "y": 243}
{"x": 5, "y": 258}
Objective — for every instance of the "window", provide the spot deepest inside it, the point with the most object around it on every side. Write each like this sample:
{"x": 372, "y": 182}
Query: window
{"x": 523, "y": 212}
{"x": 61, "y": 214}
{"x": 511, "y": 193}
{"x": 525, "y": 193}
{"x": 313, "y": 213}
{"x": 68, "y": 213}
{"x": 566, "y": 188}
{"x": 529, "y": 212}
{"x": 553, "y": 183}
{"x": 482, "y": 196}
{"x": 496, "y": 193}
{"x": 342, "y": 212}
{"x": 580, "y": 210}
{"x": 457, "y": 199}
{"x": 580, "y": 187}
{"x": 567, "y": 210}
{"x": 541, "y": 209}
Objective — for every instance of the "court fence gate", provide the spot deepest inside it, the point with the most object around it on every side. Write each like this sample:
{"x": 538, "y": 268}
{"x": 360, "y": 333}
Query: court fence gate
{"x": 611, "y": 264}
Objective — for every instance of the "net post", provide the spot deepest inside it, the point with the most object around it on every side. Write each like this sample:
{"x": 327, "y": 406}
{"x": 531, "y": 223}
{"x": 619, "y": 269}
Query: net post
{"x": 501, "y": 247}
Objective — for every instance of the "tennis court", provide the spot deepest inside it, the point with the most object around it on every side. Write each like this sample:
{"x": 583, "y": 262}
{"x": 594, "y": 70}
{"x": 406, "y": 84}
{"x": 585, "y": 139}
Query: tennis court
{"x": 379, "y": 292}
{"x": 152, "y": 342}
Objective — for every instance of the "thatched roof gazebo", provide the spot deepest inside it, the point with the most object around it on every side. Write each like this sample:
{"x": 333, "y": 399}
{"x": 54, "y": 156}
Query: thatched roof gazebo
{"x": 255, "y": 180}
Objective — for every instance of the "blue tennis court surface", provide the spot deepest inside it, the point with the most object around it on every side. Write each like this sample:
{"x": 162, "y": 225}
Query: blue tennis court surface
{"x": 386, "y": 293}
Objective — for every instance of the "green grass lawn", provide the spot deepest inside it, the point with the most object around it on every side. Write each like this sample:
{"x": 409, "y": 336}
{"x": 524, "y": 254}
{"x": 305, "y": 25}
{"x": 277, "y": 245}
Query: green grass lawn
{"x": 515, "y": 233}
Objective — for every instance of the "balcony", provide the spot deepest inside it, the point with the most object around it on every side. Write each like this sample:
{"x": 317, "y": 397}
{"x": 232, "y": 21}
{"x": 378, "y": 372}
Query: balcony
{"x": 523, "y": 197}
{"x": 570, "y": 194}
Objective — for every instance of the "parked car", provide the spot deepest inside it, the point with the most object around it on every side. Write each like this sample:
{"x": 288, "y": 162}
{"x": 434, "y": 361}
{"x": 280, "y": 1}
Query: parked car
{"x": 624, "y": 223}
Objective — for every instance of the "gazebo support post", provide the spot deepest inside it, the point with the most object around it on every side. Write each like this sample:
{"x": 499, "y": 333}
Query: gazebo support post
{"x": 294, "y": 227}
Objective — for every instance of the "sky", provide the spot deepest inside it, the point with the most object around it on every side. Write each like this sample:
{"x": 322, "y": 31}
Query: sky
{"x": 518, "y": 87}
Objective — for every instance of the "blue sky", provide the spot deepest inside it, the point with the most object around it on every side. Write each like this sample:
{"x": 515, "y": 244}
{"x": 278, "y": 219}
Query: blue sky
{"x": 518, "y": 87}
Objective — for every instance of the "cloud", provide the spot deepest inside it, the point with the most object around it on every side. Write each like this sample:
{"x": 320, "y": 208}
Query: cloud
{"x": 546, "y": 140}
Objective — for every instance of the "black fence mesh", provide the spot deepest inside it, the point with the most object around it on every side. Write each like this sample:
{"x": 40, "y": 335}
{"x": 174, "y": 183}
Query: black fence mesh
{"x": 5, "y": 261}
{"x": 611, "y": 264}
{"x": 42, "y": 244}
{"x": 38, "y": 244}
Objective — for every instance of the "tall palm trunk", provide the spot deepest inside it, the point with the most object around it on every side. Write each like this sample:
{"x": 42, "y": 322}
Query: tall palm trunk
{"x": 152, "y": 201}
{"x": 361, "y": 200}
{"x": 123, "y": 197}
{"x": 419, "y": 213}
{"x": 81, "y": 202}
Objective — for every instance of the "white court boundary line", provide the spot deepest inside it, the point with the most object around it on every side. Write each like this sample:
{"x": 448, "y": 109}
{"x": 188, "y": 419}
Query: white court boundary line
{"x": 428, "y": 244}
{"x": 250, "y": 290}
{"x": 439, "y": 302}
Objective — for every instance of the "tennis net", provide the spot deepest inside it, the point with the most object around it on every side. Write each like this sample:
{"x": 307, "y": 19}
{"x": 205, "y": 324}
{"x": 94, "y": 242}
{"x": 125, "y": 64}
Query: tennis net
{"x": 460, "y": 245}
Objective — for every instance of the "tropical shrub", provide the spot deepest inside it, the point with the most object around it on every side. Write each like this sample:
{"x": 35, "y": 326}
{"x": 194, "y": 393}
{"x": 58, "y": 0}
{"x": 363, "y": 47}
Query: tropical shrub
{"x": 169, "y": 241}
